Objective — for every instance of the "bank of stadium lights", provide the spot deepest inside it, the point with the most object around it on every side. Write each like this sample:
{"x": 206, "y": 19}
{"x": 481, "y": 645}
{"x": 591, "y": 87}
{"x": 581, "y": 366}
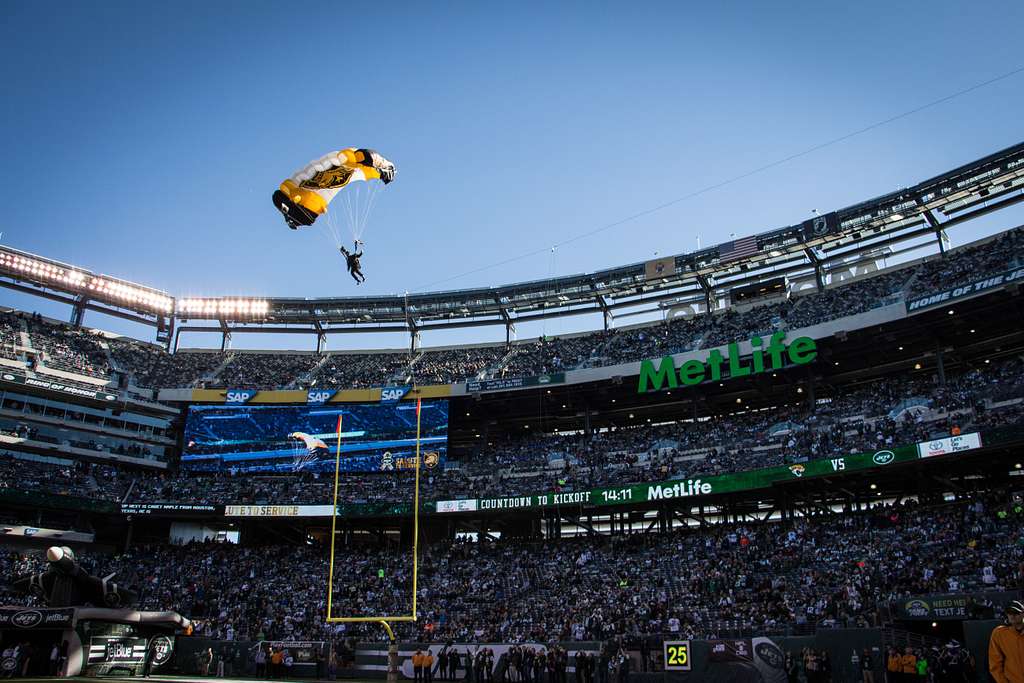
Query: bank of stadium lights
{"x": 228, "y": 308}
{"x": 130, "y": 295}
{"x": 41, "y": 270}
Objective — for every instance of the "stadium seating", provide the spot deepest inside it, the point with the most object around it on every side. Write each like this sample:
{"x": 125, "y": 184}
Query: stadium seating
{"x": 726, "y": 581}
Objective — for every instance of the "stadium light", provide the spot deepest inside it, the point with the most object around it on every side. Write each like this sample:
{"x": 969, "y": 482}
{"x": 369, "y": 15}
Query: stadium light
{"x": 229, "y": 308}
{"x": 131, "y": 295}
{"x": 41, "y": 270}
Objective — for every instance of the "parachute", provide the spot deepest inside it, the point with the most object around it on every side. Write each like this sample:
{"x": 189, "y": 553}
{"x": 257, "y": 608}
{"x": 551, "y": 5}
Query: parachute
{"x": 311, "y": 451}
{"x": 305, "y": 196}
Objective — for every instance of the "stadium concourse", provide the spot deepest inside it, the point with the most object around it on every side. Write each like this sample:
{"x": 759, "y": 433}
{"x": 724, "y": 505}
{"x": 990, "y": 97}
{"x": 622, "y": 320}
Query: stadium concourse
{"x": 599, "y": 493}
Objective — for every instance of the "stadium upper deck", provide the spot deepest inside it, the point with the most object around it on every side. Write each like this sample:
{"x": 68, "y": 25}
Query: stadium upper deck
{"x": 805, "y": 254}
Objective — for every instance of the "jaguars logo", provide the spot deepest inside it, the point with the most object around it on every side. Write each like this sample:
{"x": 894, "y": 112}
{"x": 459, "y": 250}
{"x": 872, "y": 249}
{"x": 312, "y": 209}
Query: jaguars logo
{"x": 330, "y": 179}
{"x": 431, "y": 459}
{"x": 797, "y": 470}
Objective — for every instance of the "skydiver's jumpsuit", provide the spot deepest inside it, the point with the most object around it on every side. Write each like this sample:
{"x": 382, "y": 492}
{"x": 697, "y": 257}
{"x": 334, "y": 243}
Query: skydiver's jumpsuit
{"x": 352, "y": 261}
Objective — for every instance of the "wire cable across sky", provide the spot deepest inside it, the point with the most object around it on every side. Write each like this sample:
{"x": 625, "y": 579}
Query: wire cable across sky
{"x": 728, "y": 181}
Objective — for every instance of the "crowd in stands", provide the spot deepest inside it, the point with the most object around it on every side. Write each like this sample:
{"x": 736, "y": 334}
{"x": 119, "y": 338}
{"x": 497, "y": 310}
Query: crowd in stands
{"x": 881, "y": 414}
{"x": 10, "y": 331}
{"x": 69, "y": 350}
{"x": 68, "y": 478}
{"x": 455, "y": 365}
{"x": 264, "y": 370}
{"x": 83, "y": 352}
{"x": 724, "y": 580}
{"x": 357, "y": 370}
{"x": 970, "y": 265}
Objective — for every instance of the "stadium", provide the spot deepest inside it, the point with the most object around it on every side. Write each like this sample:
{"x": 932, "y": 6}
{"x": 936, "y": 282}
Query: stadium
{"x": 793, "y": 455}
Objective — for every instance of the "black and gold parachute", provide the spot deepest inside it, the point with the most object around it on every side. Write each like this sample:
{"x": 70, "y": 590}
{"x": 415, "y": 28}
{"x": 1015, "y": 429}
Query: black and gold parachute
{"x": 304, "y": 196}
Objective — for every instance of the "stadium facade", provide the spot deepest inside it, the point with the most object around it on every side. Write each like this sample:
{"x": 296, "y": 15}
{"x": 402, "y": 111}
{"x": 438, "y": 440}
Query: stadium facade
{"x": 797, "y": 380}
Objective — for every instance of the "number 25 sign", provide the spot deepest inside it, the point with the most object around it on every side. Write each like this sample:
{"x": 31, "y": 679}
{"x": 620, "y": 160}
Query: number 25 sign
{"x": 677, "y": 655}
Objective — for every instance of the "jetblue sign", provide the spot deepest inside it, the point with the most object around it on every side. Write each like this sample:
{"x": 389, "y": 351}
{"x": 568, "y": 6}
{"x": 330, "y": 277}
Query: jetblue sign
{"x": 393, "y": 394}
{"x": 238, "y": 395}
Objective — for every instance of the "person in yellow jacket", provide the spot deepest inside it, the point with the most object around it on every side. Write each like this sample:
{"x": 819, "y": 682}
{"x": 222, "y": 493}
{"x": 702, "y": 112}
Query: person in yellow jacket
{"x": 908, "y": 664}
{"x": 1006, "y": 647}
{"x": 417, "y": 666}
{"x": 892, "y": 665}
{"x": 428, "y": 667}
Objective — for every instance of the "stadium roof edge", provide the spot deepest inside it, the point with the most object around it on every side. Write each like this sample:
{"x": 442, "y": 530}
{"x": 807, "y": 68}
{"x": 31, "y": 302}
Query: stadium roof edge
{"x": 906, "y": 216}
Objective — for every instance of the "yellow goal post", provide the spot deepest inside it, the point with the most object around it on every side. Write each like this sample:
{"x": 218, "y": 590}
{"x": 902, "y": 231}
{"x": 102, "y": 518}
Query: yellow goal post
{"x": 384, "y": 619}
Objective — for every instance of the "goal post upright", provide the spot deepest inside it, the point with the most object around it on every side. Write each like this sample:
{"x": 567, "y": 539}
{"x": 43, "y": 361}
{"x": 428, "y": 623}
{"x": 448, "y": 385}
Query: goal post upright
{"x": 383, "y": 620}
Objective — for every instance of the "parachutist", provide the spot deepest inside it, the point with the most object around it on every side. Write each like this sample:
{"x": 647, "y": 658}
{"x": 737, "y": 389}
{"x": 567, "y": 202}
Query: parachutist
{"x": 305, "y": 196}
{"x": 352, "y": 262}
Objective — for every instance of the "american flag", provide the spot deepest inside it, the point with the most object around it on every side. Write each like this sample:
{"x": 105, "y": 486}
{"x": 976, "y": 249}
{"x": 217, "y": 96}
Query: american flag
{"x": 741, "y": 248}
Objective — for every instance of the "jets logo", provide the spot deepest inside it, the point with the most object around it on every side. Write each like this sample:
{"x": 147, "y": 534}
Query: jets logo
{"x": 883, "y": 457}
{"x": 162, "y": 649}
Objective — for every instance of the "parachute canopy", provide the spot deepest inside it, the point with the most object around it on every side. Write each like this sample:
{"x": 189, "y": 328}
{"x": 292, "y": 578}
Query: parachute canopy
{"x": 311, "y": 442}
{"x": 304, "y": 196}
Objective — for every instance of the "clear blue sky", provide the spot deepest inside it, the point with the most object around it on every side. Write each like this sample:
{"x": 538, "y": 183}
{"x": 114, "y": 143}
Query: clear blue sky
{"x": 144, "y": 139}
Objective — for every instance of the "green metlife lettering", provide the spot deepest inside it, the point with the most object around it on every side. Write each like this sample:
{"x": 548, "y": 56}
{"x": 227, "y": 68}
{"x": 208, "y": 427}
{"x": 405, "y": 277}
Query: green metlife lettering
{"x": 764, "y": 358}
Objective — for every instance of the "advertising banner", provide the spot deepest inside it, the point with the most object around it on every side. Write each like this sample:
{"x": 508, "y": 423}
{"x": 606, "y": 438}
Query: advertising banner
{"x": 277, "y": 511}
{"x": 59, "y": 387}
{"x": 954, "y": 606}
{"x": 169, "y": 509}
{"x": 478, "y": 385}
{"x": 38, "y": 618}
{"x": 954, "y": 293}
{"x": 686, "y": 488}
{"x": 456, "y": 505}
{"x": 952, "y": 444}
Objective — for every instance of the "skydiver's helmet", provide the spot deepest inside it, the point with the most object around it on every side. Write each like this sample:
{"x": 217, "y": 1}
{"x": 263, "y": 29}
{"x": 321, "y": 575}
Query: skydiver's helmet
{"x": 61, "y": 557}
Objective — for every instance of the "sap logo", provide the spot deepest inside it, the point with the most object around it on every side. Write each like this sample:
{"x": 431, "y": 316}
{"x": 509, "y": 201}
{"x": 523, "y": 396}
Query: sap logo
{"x": 238, "y": 396}
{"x": 318, "y": 396}
{"x": 28, "y": 619}
{"x": 838, "y": 464}
{"x": 883, "y": 457}
{"x": 31, "y": 531}
{"x": 393, "y": 394}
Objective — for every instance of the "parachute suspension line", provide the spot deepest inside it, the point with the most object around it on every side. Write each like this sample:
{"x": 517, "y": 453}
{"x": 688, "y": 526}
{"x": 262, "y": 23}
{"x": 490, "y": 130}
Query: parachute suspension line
{"x": 329, "y": 229}
{"x": 350, "y": 209}
{"x": 372, "y": 191}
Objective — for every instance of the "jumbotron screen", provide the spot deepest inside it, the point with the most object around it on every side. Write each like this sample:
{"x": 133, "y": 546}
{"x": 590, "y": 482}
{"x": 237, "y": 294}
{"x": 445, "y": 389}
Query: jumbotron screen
{"x": 373, "y": 437}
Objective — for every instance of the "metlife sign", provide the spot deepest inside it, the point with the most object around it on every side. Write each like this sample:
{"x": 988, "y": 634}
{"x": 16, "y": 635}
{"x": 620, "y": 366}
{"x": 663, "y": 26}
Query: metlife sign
{"x": 952, "y": 444}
